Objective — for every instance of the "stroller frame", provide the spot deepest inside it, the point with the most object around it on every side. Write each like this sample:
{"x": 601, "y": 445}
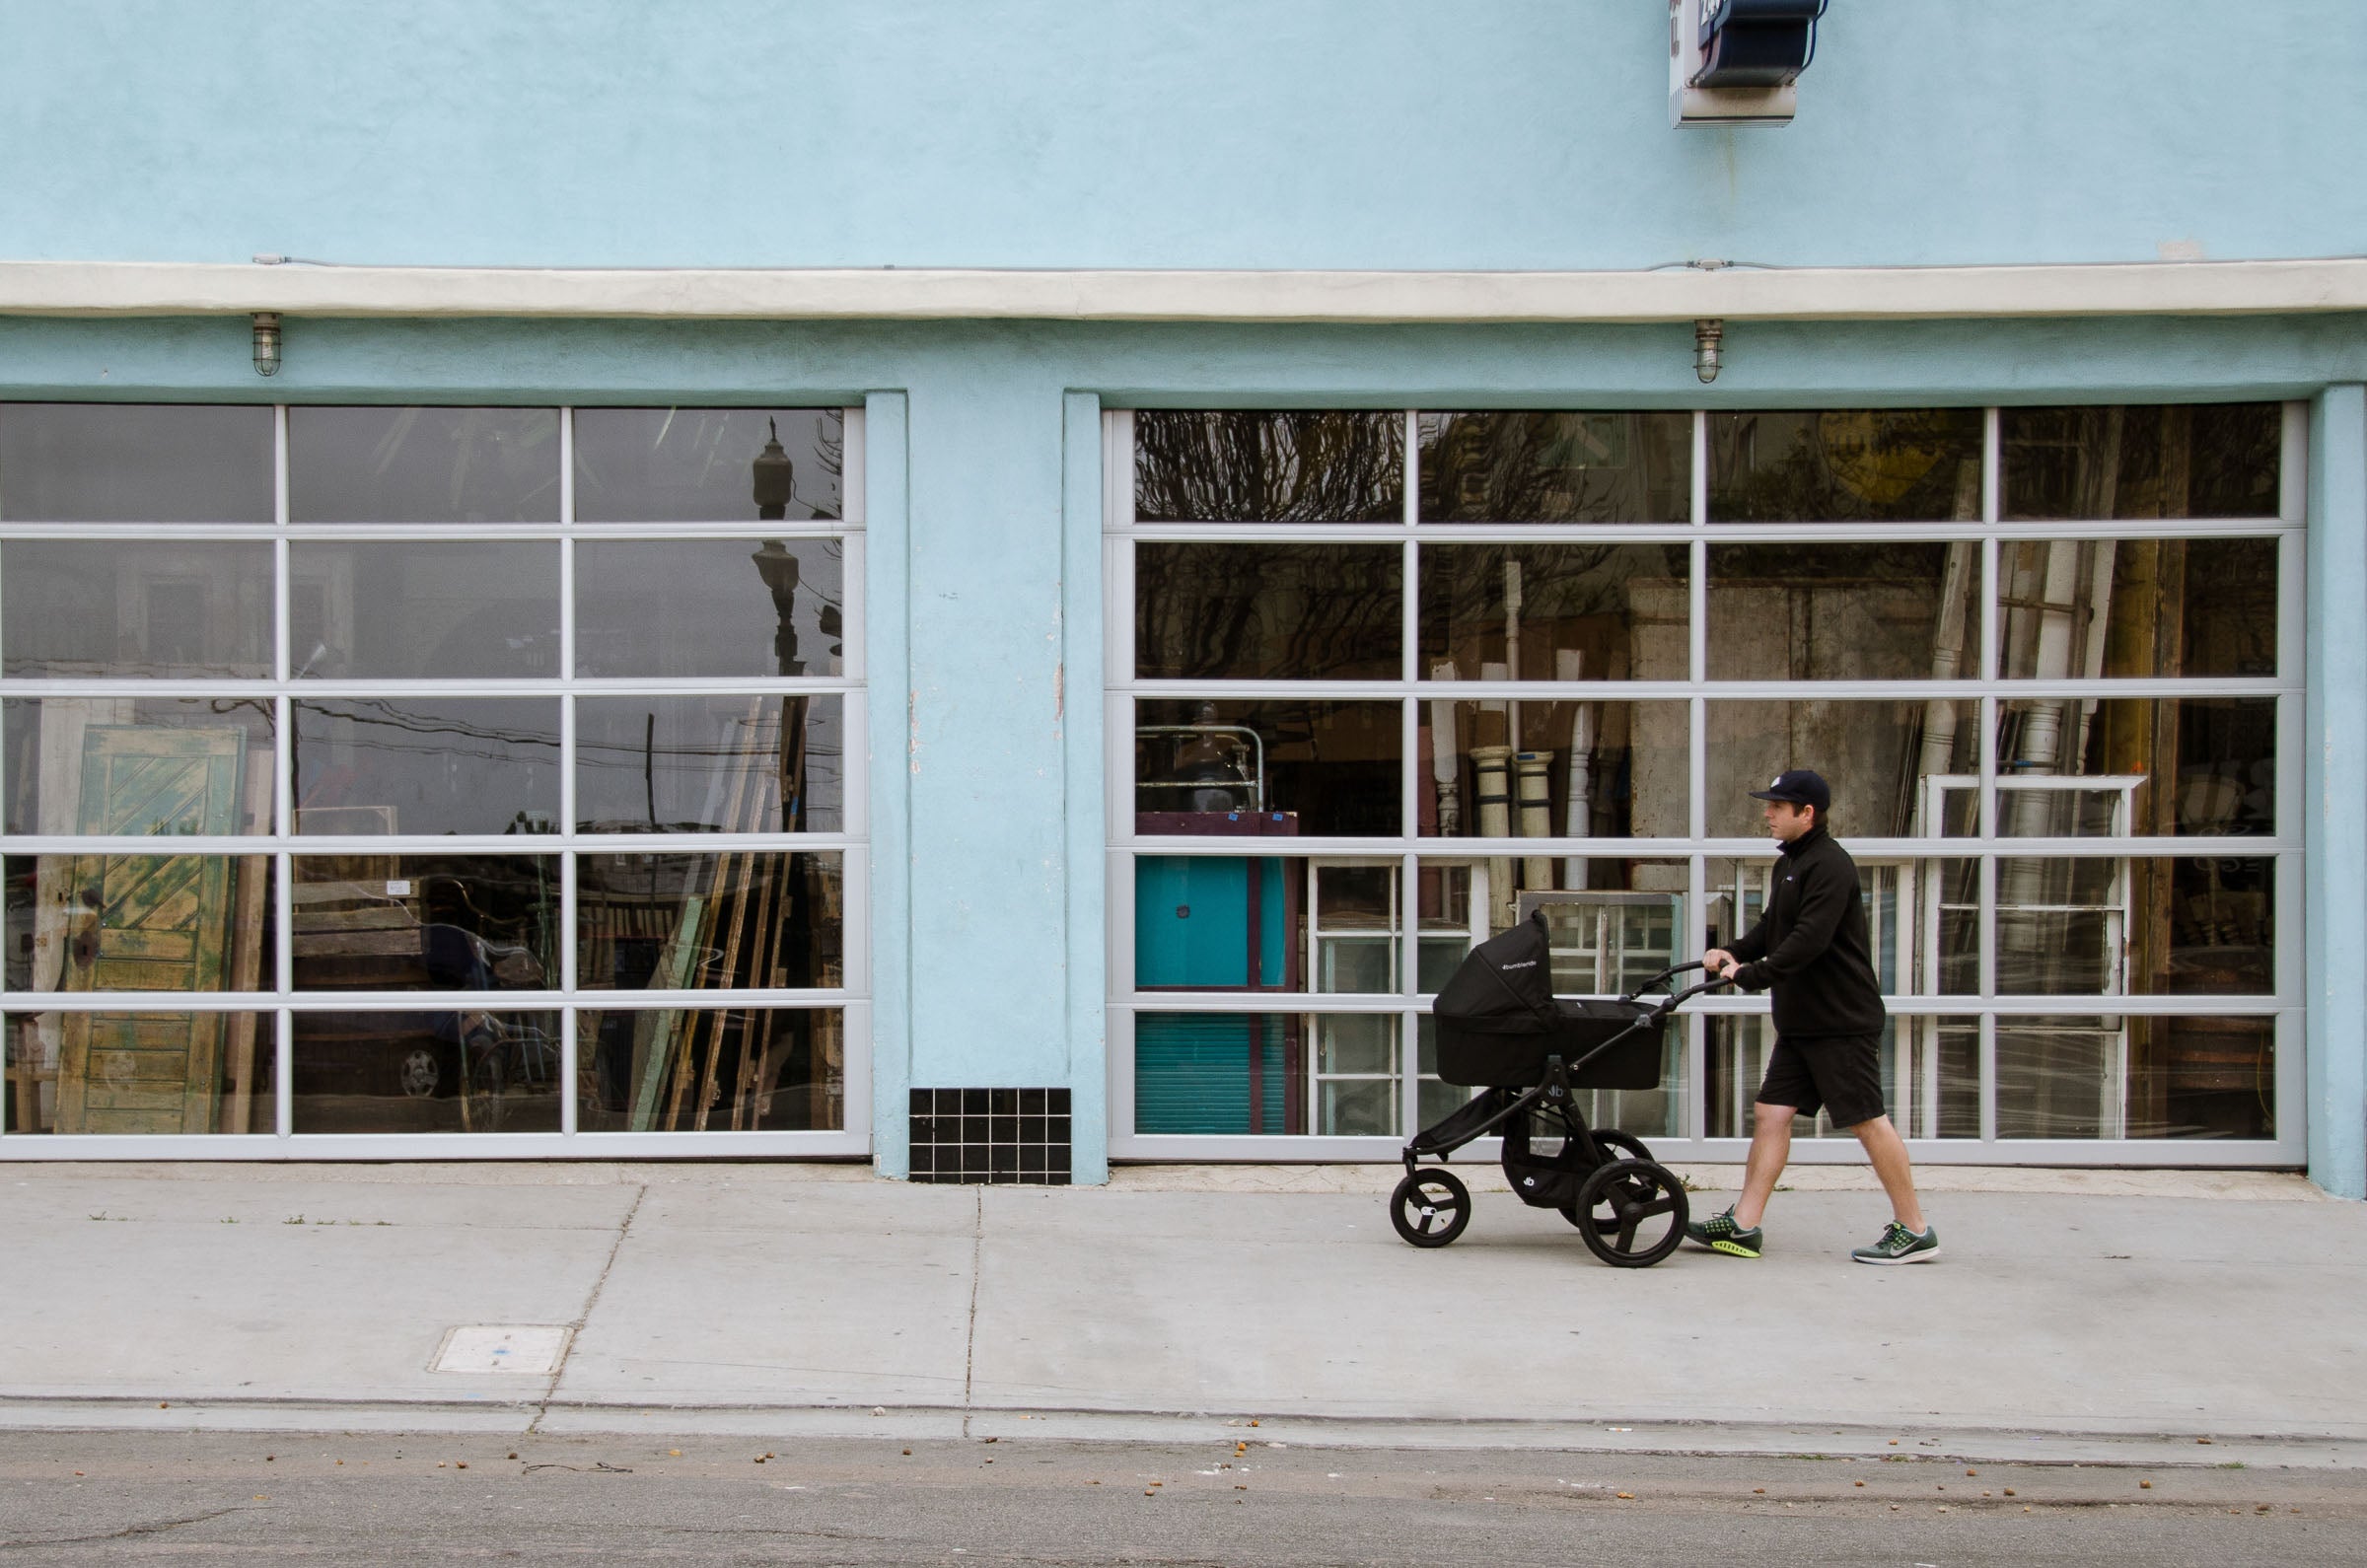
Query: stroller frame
{"x": 1604, "y": 1181}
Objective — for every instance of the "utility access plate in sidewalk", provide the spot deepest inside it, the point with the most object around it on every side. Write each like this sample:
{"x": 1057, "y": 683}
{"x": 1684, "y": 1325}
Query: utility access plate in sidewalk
{"x": 531, "y": 1349}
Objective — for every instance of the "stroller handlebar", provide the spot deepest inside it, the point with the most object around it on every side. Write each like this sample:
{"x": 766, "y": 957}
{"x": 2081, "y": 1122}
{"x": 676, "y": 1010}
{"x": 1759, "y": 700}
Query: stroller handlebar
{"x": 1676, "y": 996}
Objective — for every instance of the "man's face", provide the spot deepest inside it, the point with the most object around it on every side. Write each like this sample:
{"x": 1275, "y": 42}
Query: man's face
{"x": 1789, "y": 822}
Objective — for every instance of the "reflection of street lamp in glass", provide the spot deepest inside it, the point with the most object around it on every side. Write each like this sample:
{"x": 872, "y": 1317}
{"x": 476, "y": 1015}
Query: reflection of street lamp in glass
{"x": 774, "y": 475}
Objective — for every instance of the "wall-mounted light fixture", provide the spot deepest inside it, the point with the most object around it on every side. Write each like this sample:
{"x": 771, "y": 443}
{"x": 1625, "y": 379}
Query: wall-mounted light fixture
{"x": 1734, "y": 62}
{"x": 1707, "y": 335}
{"x": 266, "y": 342}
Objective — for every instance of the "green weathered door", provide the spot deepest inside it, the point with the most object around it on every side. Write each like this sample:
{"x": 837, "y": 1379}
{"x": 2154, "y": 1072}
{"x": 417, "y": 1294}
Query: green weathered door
{"x": 149, "y": 923}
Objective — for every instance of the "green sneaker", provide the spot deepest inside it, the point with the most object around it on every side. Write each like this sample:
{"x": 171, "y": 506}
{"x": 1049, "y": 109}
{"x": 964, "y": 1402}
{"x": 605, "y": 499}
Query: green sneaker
{"x": 1898, "y": 1244}
{"x": 1720, "y": 1234}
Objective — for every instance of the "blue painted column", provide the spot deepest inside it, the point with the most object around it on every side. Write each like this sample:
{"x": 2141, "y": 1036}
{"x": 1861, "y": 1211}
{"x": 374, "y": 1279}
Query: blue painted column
{"x": 2335, "y": 951}
{"x": 888, "y": 655}
{"x": 984, "y": 762}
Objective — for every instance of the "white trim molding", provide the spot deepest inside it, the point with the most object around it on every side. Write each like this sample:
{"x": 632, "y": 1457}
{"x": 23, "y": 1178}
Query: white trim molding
{"x": 1680, "y": 292}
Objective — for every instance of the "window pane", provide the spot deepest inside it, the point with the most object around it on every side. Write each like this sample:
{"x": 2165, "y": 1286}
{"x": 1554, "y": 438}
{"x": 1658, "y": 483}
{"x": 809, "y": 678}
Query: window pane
{"x": 1874, "y": 754}
{"x": 1266, "y": 923}
{"x": 771, "y": 1069}
{"x": 1241, "y": 466}
{"x": 733, "y": 921}
{"x": 684, "y": 607}
{"x": 140, "y": 923}
{"x": 423, "y": 465}
{"x": 1846, "y": 466}
{"x": 377, "y": 765}
{"x": 137, "y": 1074}
{"x": 1940, "y": 1097}
{"x": 2121, "y": 1077}
{"x": 2181, "y": 459}
{"x": 1573, "y": 612}
{"x": 2078, "y": 608}
{"x": 1612, "y": 924}
{"x": 2201, "y": 1077}
{"x": 134, "y": 463}
{"x": 1740, "y": 1045}
{"x": 1268, "y": 611}
{"x": 1327, "y": 769}
{"x": 710, "y": 765}
{"x": 1930, "y": 1077}
{"x": 466, "y": 1070}
{"x": 2056, "y": 1077}
{"x": 1897, "y": 897}
{"x": 2109, "y": 926}
{"x": 1219, "y": 922}
{"x": 1890, "y": 611}
{"x": 1278, "y": 1074}
{"x": 1515, "y": 466}
{"x": 2217, "y": 754}
{"x": 387, "y": 609}
{"x": 1584, "y": 771}
{"x": 1440, "y": 1101}
{"x": 426, "y": 922}
{"x": 139, "y": 764}
{"x": 136, "y": 607}
{"x": 700, "y": 464}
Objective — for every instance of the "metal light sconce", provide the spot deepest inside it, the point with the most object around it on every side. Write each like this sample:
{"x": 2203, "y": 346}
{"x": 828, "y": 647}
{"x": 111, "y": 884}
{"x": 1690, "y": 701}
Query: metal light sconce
{"x": 1708, "y": 335}
{"x": 266, "y": 342}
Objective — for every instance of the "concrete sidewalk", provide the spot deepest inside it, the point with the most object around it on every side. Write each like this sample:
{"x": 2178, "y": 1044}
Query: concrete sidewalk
{"x": 804, "y": 1298}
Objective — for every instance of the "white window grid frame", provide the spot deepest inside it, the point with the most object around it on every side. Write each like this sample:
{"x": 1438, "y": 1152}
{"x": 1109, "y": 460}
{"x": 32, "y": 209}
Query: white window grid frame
{"x": 281, "y": 1002}
{"x": 1694, "y": 1141}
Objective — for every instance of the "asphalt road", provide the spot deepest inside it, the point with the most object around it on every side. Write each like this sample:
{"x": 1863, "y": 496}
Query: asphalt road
{"x": 112, "y": 1497}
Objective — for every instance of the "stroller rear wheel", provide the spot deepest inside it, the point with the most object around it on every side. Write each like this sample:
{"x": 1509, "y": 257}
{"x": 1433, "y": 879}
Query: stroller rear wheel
{"x": 1632, "y": 1213}
{"x": 1430, "y": 1208}
{"x": 1621, "y": 1146}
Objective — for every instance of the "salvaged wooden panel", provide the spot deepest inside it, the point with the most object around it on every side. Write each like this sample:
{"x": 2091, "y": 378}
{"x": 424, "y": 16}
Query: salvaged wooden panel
{"x": 148, "y": 923}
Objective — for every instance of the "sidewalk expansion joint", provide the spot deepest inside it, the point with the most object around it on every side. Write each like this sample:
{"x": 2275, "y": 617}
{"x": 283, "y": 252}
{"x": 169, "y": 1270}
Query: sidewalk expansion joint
{"x": 969, "y": 1337}
{"x": 591, "y": 1300}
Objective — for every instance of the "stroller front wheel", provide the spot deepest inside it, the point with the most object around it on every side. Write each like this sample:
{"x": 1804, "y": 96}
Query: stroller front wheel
{"x": 1632, "y": 1213}
{"x": 1430, "y": 1208}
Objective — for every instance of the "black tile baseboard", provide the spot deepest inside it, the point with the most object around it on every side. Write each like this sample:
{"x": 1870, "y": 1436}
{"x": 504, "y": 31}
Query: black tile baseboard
{"x": 991, "y": 1135}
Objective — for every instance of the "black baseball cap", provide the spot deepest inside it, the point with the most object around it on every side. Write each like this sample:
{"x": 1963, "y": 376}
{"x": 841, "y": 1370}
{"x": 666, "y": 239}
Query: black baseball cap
{"x": 1801, "y": 786}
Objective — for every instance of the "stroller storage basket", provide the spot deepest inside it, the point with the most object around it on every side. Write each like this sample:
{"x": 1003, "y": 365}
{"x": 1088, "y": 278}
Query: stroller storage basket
{"x": 1492, "y": 1056}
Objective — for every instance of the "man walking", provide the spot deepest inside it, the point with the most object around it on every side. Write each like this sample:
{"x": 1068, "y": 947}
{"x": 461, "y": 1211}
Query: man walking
{"x": 1810, "y": 946}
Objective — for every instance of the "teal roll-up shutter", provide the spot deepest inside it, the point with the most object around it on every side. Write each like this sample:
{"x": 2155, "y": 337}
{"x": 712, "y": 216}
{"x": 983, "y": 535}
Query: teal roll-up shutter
{"x": 1201, "y": 1072}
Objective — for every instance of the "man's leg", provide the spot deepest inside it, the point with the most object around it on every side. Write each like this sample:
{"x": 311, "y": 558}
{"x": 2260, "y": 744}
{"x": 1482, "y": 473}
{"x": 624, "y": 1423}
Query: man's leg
{"x": 1887, "y": 1151}
{"x": 1770, "y": 1151}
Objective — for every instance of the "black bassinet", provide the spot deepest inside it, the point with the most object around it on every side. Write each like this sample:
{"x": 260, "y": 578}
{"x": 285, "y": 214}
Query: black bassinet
{"x": 1498, "y": 1019}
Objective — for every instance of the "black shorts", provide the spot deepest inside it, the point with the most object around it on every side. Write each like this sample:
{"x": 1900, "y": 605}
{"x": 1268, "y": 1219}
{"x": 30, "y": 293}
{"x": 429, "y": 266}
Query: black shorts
{"x": 1840, "y": 1073}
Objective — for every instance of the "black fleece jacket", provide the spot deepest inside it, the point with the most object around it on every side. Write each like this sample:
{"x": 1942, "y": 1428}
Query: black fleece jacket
{"x": 1810, "y": 946}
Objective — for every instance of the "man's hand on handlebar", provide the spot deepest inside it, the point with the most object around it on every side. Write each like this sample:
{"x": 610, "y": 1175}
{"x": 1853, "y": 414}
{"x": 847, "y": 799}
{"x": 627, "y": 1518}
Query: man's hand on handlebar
{"x": 1720, "y": 965}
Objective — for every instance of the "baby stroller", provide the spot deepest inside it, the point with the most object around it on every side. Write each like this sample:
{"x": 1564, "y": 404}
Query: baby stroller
{"x": 1501, "y": 1029}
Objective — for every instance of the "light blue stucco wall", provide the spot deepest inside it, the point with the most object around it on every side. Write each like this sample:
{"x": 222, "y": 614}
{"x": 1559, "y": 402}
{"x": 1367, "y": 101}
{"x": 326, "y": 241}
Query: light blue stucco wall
{"x": 985, "y": 616}
{"x": 1226, "y": 133}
